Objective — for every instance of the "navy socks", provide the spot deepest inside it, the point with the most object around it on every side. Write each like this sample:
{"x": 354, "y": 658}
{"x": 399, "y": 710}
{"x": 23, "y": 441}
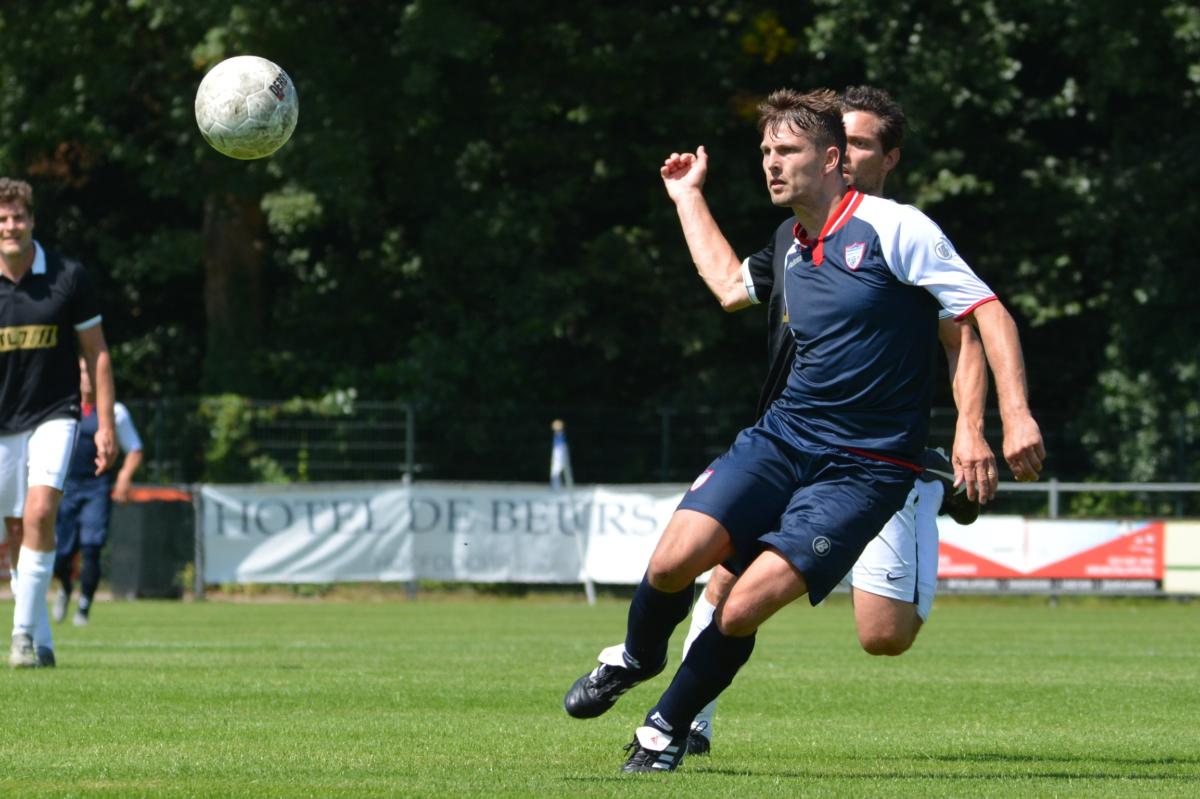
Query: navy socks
{"x": 89, "y": 574}
{"x": 653, "y": 616}
{"x": 708, "y": 669}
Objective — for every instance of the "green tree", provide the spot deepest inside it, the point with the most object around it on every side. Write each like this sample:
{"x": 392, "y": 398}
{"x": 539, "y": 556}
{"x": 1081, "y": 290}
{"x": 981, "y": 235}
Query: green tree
{"x": 469, "y": 214}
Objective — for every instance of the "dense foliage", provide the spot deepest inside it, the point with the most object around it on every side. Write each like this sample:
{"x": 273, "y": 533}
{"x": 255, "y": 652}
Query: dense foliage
{"x": 470, "y": 207}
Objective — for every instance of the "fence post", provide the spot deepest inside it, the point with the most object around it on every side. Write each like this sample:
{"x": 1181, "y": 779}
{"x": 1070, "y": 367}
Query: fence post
{"x": 1053, "y": 497}
{"x": 664, "y": 466}
{"x": 197, "y": 543}
{"x": 158, "y": 439}
{"x": 409, "y": 441}
{"x": 1180, "y": 458}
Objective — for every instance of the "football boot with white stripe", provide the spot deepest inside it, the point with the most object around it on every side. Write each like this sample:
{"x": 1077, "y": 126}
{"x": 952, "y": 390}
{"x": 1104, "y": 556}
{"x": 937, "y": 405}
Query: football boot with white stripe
{"x": 955, "y": 502}
{"x": 655, "y": 750}
{"x": 598, "y": 690}
{"x": 698, "y": 742}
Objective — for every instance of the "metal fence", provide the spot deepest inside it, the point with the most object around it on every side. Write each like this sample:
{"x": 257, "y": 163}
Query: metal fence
{"x": 231, "y": 440}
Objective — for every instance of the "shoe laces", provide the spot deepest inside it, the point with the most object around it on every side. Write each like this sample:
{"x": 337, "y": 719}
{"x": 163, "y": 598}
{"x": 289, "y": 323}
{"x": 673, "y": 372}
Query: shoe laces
{"x": 642, "y": 756}
{"x": 608, "y": 681}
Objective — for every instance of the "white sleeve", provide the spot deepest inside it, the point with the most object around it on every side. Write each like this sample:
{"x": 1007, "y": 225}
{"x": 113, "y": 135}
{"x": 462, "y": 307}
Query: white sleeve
{"x": 748, "y": 281}
{"x": 921, "y": 255}
{"x": 127, "y": 434}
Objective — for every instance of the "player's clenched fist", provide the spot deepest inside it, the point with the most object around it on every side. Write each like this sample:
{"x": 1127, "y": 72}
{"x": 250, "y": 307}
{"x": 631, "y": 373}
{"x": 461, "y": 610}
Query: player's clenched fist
{"x": 683, "y": 172}
{"x": 1023, "y": 449}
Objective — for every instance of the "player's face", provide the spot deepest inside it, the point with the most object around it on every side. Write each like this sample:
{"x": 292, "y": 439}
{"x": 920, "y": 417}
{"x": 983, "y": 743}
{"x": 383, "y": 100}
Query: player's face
{"x": 793, "y": 166}
{"x": 867, "y": 165}
{"x": 16, "y": 230}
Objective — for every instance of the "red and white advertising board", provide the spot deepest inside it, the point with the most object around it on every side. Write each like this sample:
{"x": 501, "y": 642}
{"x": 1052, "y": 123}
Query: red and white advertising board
{"x": 1013, "y": 553}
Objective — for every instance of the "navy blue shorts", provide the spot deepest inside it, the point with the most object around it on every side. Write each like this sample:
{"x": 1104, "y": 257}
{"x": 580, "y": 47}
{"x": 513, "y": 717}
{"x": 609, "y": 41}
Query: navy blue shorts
{"x": 83, "y": 515}
{"x": 817, "y": 506}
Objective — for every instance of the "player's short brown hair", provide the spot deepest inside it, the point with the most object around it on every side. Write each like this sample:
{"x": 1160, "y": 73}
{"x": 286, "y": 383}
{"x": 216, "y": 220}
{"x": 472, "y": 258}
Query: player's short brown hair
{"x": 16, "y": 191}
{"x": 817, "y": 113}
{"x": 892, "y": 121}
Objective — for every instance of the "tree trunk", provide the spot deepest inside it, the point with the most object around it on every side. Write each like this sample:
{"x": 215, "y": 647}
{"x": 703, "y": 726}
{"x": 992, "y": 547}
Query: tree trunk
{"x": 234, "y": 229}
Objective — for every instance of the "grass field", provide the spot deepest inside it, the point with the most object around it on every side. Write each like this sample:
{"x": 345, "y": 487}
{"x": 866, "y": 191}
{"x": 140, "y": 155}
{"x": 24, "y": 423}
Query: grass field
{"x": 453, "y": 696}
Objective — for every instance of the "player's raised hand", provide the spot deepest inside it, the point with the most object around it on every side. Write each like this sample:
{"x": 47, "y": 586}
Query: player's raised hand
{"x": 975, "y": 466}
{"x": 1023, "y": 448}
{"x": 684, "y": 172}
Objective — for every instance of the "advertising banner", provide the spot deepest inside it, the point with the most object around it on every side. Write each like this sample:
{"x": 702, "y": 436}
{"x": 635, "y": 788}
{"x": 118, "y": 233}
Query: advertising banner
{"x": 433, "y": 531}
{"x": 1013, "y": 553}
{"x": 494, "y": 532}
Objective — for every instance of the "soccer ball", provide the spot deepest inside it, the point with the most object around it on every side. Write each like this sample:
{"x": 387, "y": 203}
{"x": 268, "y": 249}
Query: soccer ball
{"x": 246, "y": 107}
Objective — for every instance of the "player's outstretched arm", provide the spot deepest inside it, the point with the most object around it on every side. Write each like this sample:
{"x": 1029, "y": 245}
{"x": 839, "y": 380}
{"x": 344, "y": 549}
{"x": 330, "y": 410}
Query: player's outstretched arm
{"x": 95, "y": 352}
{"x": 683, "y": 177}
{"x": 124, "y": 482}
{"x": 1023, "y": 447}
{"x": 974, "y": 462}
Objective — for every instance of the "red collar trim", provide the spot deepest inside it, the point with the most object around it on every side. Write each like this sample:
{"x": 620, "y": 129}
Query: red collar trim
{"x": 836, "y": 221}
{"x": 88, "y": 408}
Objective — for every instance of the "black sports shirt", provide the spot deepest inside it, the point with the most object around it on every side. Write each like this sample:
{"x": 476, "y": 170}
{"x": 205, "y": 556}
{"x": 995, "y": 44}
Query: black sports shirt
{"x": 39, "y": 361}
{"x": 764, "y": 273}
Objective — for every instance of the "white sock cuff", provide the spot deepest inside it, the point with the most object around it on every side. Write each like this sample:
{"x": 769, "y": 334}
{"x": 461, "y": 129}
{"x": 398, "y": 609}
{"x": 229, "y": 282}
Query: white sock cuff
{"x": 702, "y": 612}
{"x": 32, "y": 561}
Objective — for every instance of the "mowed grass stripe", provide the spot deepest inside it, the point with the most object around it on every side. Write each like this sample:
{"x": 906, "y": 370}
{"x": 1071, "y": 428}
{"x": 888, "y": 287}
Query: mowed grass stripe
{"x": 462, "y": 697}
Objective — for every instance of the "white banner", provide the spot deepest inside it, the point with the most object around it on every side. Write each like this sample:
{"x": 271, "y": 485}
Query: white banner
{"x": 432, "y": 531}
{"x": 495, "y": 533}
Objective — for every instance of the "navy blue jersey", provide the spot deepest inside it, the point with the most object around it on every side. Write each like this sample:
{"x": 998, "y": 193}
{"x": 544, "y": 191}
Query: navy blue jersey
{"x": 862, "y": 302}
{"x": 83, "y": 457}
{"x": 39, "y": 365}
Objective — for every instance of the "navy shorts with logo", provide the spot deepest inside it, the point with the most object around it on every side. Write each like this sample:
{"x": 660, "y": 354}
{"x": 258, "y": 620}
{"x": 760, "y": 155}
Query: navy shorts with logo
{"x": 817, "y": 506}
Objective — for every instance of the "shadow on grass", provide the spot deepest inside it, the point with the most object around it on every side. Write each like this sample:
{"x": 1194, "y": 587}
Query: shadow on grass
{"x": 1019, "y": 757}
{"x": 874, "y": 777}
{"x": 1118, "y": 774}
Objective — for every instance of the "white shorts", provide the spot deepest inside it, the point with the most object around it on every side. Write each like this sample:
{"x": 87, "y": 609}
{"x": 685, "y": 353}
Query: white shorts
{"x": 37, "y": 457}
{"x": 902, "y": 561}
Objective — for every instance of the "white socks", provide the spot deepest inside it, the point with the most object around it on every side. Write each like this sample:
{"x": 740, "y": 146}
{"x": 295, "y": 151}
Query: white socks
{"x": 31, "y": 615}
{"x": 702, "y": 614}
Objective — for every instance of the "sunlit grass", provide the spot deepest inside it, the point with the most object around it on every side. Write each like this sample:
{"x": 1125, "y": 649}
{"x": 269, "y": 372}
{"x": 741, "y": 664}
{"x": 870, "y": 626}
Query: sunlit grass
{"x": 462, "y": 697}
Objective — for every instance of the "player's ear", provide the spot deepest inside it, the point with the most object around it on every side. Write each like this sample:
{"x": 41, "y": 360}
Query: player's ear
{"x": 833, "y": 160}
{"x": 891, "y": 158}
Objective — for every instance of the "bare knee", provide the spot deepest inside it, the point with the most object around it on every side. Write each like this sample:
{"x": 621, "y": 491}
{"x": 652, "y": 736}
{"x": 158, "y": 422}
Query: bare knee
{"x": 39, "y": 513}
{"x": 41, "y": 507}
{"x": 667, "y": 576}
{"x": 720, "y": 583}
{"x": 692, "y": 544}
{"x": 886, "y": 626}
{"x": 886, "y": 644}
{"x": 735, "y": 619}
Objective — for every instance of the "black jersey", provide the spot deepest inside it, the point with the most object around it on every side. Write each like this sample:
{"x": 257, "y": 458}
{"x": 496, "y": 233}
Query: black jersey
{"x": 39, "y": 361}
{"x": 763, "y": 274}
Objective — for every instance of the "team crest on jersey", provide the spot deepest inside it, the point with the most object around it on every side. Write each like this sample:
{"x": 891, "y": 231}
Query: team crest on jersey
{"x": 702, "y": 479}
{"x": 821, "y": 546}
{"x": 944, "y": 249}
{"x": 854, "y": 254}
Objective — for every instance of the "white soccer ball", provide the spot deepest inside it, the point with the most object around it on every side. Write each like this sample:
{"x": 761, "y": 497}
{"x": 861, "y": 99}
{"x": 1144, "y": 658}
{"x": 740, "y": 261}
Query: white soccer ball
{"x": 247, "y": 107}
